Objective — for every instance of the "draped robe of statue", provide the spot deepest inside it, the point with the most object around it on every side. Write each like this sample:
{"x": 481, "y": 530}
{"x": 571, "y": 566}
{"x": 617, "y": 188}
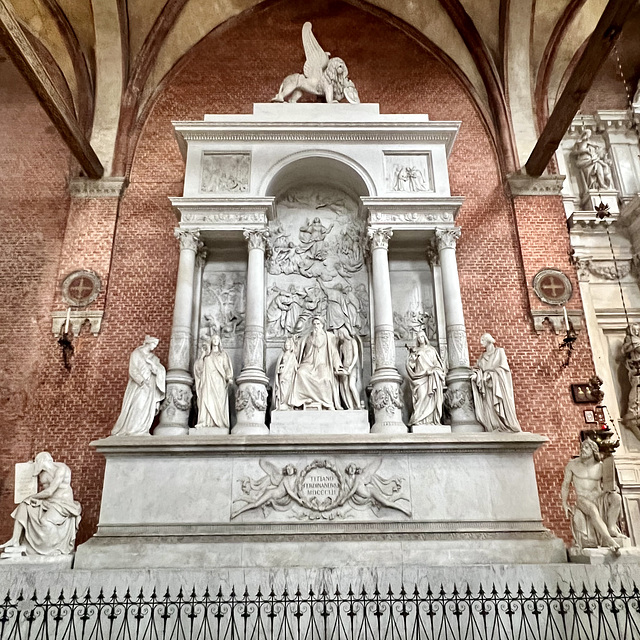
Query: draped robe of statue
{"x": 212, "y": 374}
{"x": 286, "y": 367}
{"x": 145, "y": 391}
{"x": 426, "y": 379}
{"x": 493, "y": 392}
{"x": 315, "y": 382}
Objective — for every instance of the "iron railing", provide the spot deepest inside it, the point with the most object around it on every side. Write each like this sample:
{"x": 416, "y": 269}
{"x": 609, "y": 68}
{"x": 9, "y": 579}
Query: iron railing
{"x": 574, "y": 614}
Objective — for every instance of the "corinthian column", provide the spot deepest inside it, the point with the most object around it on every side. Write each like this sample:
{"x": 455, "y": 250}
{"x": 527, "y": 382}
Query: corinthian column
{"x": 386, "y": 398}
{"x": 251, "y": 397}
{"x": 174, "y": 419}
{"x": 459, "y": 396}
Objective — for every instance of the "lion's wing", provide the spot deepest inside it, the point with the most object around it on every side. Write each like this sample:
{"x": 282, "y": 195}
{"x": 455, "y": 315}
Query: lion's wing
{"x": 317, "y": 59}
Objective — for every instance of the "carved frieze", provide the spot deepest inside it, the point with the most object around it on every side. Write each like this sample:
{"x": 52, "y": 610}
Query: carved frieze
{"x": 320, "y": 489}
{"x": 409, "y": 217}
{"x": 225, "y": 172}
{"x": 223, "y": 217}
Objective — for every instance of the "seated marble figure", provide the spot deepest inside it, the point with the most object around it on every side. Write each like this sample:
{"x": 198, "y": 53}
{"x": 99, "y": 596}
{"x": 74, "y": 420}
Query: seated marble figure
{"x": 594, "y": 516}
{"x": 46, "y": 522}
{"x": 319, "y": 371}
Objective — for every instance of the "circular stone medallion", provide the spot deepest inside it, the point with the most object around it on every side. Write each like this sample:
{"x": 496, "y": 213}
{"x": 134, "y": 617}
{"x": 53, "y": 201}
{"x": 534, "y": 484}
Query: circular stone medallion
{"x": 81, "y": 288}
{"x": 320, "y": 486}
{"x": 552, "y": 286}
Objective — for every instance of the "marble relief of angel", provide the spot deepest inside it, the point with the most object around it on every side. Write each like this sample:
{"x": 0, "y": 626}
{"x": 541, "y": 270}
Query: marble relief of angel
{"x": 322, "y": 75}
{"x": 275, "y": 490}
{"x": 368, "y": 489}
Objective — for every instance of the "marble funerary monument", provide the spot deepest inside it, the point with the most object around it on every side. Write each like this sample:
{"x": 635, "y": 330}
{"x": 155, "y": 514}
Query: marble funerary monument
{"x": 317, "y": 245}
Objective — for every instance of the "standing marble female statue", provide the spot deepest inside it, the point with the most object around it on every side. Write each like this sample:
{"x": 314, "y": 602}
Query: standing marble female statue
{"x": 213, "y": 374}
{"x": 145, "y": 391}
{"x": 47, "y": 521}
{"x": 286, "y": 368}
{"x": 493, "y": 389}
{"x": 426, "y": 379}
{"x": 350, "y": 382}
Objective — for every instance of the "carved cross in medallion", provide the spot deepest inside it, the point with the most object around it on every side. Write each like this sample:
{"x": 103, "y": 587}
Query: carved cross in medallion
{"x": 80, "y": 288}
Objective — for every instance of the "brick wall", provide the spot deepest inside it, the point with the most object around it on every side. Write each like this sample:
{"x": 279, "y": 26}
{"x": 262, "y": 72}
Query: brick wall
{"x": 242, "y": 63}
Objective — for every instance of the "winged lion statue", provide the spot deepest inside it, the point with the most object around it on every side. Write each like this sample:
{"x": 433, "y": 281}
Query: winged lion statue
{"x": 322, "y": 75}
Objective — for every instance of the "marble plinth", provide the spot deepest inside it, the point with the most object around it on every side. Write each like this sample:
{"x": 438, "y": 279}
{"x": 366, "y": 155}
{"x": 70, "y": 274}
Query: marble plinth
{"x": 280, "y": 501}
{"x": 45, "y": 563}
{"x": 309, "y": 421}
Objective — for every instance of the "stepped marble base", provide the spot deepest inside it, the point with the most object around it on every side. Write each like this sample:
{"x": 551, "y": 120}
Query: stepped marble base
{"x": 44, "y": 563}
{"x": 325, "y": 501}
{"x": 291, "y": 423}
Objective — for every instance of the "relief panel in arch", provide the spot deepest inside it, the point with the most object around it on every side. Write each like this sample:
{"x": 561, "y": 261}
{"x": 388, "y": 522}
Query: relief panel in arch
{"x": 316, "y": 263}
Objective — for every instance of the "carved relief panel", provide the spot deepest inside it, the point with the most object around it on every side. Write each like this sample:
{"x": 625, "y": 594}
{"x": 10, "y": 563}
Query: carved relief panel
{"x": 334, "y": 488}
{"x": 315, "y": 265}
{"x": 409, "y": 173}
{"x": 225, "y": 173}
{"x": 222, "y": 307}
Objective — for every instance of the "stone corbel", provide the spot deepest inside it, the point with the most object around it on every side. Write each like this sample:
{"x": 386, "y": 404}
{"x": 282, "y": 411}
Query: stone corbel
{"x": 520, "y": 184}
{"x": 103, "y": 188}
{"x": 555, "y": 317}
{"x": 76, "y": 321}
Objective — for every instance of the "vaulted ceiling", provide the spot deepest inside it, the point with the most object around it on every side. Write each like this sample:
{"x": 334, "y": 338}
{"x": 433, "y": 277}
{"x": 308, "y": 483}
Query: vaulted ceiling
{"x": 107, "y": 58}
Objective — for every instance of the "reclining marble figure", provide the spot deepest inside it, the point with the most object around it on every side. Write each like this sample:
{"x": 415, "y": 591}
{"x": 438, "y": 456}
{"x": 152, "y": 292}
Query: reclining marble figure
{"x": 46, "y": 522}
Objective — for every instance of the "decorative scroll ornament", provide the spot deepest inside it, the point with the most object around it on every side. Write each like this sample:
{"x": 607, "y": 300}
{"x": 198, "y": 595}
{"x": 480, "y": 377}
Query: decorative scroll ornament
{"x": 458, "y": 348}
{"x": 251, "y": 399}
{"x": 322, "y": 490}
{"x": 321, "y": 75}
{"x": 387, "y": 398}
{"x": 188, "y": 239}
{"x": 447, "y": 238}
{"x": 379, "y": 238}
{"x": 253, "y": 348}
{"x": 385, "y": 349}
{"x": 610, "y": 270}
{"x": 256, "y": 238}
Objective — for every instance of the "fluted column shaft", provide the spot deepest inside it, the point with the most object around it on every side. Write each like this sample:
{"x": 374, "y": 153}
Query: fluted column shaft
{"x": 251, "y": 397}
{"x": 386, "y": 398}
{"x": 174, "y": 419}
{"x": 459, "y": 395}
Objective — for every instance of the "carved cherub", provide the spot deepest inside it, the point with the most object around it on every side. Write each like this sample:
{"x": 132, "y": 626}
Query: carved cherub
{"x": 322, "y": 76}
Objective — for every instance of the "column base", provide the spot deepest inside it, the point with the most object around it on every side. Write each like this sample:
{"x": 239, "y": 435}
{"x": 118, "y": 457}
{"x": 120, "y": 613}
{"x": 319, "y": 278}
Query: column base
{"x": 251, "y": 404}
{"x": 175, "y": 409}
{"x": 386, "y": 400}
{"x": 169, "y": 429}
{"x": 459, "y": 401}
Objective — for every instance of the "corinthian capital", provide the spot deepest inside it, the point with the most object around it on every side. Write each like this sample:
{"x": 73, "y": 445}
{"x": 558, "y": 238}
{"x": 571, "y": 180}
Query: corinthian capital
{"x": 379, "y": 238}
{"x": 447, "y": 238}
{"x": 257, "y": 238}
{"x": 188, "y": 239}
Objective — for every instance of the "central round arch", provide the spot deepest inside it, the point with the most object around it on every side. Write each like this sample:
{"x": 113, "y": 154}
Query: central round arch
{"x": 326, "y": 167}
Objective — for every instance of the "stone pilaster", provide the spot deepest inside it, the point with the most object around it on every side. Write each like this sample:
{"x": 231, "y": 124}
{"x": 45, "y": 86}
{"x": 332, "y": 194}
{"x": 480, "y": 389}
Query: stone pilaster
{"x": 174, "y": 419}
{"x": 459, "y": 396}
{"x": 251, "y": 397}
{"x": 385, "y": 395}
